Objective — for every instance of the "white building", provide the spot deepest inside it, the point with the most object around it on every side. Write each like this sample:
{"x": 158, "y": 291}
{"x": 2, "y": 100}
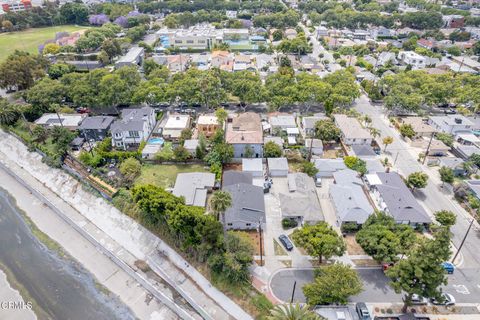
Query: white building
{"x": 69, "y": 121}
{"x": 412, "y": 58}
{"x": 134, "y": 127}
{"x": 174, "y": 126}
{"x": 352, "y": 130}
{"x": 133, "y": 57}
{"x": 450, "y": 123}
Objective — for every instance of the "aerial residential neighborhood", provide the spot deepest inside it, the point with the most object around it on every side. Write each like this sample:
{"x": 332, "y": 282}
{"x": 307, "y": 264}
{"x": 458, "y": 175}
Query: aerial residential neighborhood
{"x": 283, "y": 159}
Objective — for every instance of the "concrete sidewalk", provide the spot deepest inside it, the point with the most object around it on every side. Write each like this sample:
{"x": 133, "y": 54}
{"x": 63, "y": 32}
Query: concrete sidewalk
{"x": 132, "y": 238}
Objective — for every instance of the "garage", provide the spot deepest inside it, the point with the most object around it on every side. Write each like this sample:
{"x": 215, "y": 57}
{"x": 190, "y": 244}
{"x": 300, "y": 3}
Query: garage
{"x": 277, "y": 167}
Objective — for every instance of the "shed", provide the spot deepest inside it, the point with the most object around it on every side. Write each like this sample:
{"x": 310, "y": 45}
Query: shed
{"x": 277, "y": 167}
{"x": 77, "y": 143}
{"x": 150, "y": 150}
{"x": 191, "y": 145}
{"x": 316, "y": 146}
{"x": 254, "y": 166}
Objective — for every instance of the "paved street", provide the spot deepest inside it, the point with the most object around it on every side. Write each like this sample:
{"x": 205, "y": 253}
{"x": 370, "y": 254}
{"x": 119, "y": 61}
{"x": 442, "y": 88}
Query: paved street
{"x": 464, "y": 285}
{"x": 431, "y": 197}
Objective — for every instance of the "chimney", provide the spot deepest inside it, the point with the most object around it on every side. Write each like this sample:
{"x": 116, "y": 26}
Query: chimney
{"x": 458, "y": 120}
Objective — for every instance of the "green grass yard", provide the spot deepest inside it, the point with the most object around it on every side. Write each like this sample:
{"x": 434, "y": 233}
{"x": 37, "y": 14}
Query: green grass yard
{"x": 164, "y": 175}
{"x": 30, "y": 39}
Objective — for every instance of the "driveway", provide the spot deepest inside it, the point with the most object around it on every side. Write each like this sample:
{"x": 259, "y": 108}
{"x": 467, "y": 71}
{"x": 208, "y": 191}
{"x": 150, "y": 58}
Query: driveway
{"x": 328, "y": 209}
{"x": 274, "y": 229}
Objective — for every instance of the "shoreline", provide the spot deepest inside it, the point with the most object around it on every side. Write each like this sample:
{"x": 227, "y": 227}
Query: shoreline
{"x": 105, "y": 273}
{"x": 10, "y": 292}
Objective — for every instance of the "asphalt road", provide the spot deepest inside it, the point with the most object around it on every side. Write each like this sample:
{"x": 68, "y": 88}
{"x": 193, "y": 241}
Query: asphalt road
{"x": 464, "y": 285}
{"x": 433, "y": 196}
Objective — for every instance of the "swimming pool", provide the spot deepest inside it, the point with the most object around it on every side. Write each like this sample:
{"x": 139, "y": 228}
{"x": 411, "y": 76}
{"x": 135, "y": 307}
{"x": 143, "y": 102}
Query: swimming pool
{"x": 155, "y": 141}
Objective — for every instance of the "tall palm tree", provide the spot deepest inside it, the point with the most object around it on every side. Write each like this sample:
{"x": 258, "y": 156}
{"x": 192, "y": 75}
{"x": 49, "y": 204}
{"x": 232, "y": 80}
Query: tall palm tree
{"x": 220, "y": 202}
{"x": 293, "y": 312}
{"x": 374, "y": 132}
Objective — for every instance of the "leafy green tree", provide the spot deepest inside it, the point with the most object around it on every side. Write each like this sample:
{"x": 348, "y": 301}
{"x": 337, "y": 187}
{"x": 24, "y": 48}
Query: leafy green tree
{"x": 247, "y": 86}
{"x": 333, "y": 284}
{"x": 293, "y": 312}
{"x": 61, "y": 137}
{"x": 446, "y": 218}
{"x": 193, "y": 231}
{"x": 319, "y": 240}
{"x": 8, "y": 113}
{"x": 221, "y": 115}
{"x": 39, "y": 134}
{"x": 74, "y": 13}
{"x": 130, "y": 168}
{"x": 311, "y": 89}
{"x": 166, "y": 153}
{"x": 221, "y": 153}
{"x": 201, "y": 149}
{"x": 406, "y": 130}
{"x": 45, "y": 93}
{"x": 181, "y": 154}
{"x": 445, "y": 138}
{"x": 421, "y": 272}
{"x": 186, "y": 134}
{"x": 308, "y": 168}
{"x": 111, "y": 47}
{"x": 277, "y": 35}
{"x": 384, "y": 239}
{"x": 272, "y": 150}
{"x": 326, "y": 130}
{"x": 20, "y": 70}
{"x": 219, "y": 203}
{"x": 248, "y": 152}
{"x": 446, "y": 175}
{"x": 57, "y": 70}
{"x": 417, "y": 180}
{"x": 232, "y": 265}
{"x": 356, "y": 164}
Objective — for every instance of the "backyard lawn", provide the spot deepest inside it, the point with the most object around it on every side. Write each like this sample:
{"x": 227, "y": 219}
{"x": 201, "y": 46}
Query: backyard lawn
{"x": 164, "y": 175}
{"x": 30, "y": 39}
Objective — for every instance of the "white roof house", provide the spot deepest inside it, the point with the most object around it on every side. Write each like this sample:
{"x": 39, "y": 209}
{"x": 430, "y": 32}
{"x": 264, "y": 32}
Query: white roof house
{"x": 352, "y": 130}
{"x": 283, "y": 121}
{"x": 451, "y": 123}
{"x": 175, "y": 124}
{"x": 277, "y": 167}
{"x": 255, "y": 166}
{"x": 207, "y": 119}
{"x": 326, "y": 167}
{"x": 67, "y": 120}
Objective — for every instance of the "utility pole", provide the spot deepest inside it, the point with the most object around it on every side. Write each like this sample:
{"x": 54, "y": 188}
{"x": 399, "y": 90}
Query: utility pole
{"x": 464, "y": 237}
{"x": 293, "y": 291}
{"x": 428, "y": 147}
{"x": 310, "y": 151}
{"x": 261, "y": 242}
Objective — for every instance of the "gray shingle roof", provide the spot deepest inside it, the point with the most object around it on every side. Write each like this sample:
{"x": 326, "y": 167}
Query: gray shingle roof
{"x": 302, "y": 201}
{"x": 247, "y": 203}
{"x": 132, "y": 120}
{"x": 348, "y": 197}
{"x": 193, "y": 186}
{"x": 234, "y": 177}
{"x": 401, "y": 203}
{"x": 96, "y": 123}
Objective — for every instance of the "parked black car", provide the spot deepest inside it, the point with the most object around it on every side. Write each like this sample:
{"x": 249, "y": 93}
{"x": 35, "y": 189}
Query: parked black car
{"x": 286, "y": 242}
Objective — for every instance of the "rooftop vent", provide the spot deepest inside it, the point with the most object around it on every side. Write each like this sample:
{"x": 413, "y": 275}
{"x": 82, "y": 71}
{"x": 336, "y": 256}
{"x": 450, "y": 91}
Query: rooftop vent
{"x": 458, "y": 120}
